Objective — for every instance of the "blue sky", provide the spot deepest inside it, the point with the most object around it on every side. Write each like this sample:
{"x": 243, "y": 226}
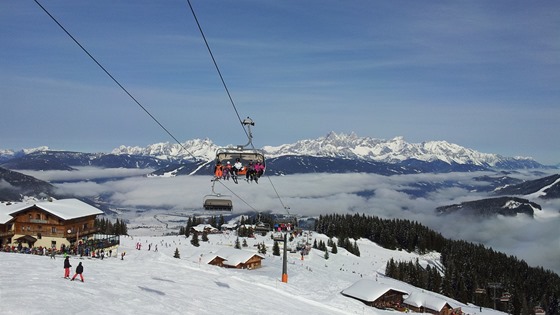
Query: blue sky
{"x": 481, "y": 74}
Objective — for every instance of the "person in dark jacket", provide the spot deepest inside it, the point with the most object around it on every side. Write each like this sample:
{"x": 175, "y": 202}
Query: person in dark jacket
{"x": 67, "y": 267}
{"x": 79, "y": 271}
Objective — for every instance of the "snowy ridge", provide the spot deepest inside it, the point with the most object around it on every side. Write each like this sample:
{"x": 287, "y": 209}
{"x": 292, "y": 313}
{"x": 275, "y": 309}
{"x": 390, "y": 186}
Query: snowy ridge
{"x": 333, "y": 145}
{"x": 543, "y": 191}
{"x": 347, "y": 146}
{"x": 390, "y": 151}
{"x": 201, "y": 148}
{"x": 6, "y": 154}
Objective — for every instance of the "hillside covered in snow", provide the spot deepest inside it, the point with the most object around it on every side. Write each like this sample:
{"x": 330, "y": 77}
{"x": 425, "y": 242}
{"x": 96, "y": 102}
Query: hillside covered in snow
{"x": 150, "y": 282}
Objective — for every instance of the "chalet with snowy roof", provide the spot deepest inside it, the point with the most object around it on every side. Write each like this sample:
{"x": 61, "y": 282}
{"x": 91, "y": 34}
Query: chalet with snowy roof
{"x": 51, "y": 223}
{"x": 428, "y": 302}
{"x": 376, "y": 294}
{"x": 229, "y": 227}
{"x": 201, "y": 228}
{"x": 539, "y": 310}
{"x": 235, "y": 258}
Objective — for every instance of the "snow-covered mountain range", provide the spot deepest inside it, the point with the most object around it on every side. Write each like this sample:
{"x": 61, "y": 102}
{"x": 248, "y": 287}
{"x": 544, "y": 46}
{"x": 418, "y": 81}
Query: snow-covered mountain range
{"x": 394, "y": 150}
{"x": 346, "y": 146}
{"x": 336, "y": 153}
{"x": 202, "y": 149}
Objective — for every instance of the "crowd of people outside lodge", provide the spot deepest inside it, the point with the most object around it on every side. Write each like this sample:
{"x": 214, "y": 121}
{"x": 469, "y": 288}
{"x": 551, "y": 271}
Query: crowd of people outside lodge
{"x": 90, "y": 248}
{"x": 252, "y": 171}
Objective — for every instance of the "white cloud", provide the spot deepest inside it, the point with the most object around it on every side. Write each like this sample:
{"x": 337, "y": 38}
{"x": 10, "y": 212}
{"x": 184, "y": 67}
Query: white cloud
{"x": 315, "y": 194}
{"x": 5, "y": 185}
{"x": 85, "y": 173}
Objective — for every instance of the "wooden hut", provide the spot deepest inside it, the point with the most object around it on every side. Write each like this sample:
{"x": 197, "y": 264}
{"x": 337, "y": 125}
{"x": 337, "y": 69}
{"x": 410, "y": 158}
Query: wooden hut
{"x": 376, "y": 294}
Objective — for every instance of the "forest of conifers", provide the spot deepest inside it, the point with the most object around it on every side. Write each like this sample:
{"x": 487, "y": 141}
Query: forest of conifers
{"x": 466, "y": 266}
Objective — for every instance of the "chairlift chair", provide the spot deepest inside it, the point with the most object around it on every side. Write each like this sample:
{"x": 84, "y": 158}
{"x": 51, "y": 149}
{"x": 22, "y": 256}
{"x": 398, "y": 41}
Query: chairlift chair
{"x": 261, "y": 227}
{"x": 242, "y": 152}
{"x": 217, "y": 201}
{"x": 278, "y": 236}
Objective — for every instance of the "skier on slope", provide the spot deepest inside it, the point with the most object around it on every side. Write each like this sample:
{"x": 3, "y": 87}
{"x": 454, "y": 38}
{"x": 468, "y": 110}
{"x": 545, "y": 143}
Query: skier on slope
{"x": 67, "y": 267}
{"x": 79, "y": 271}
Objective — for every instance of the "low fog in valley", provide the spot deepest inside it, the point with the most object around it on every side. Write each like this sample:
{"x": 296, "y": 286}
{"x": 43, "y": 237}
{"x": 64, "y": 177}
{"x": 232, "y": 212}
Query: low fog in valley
{"x": 138, "y": 199}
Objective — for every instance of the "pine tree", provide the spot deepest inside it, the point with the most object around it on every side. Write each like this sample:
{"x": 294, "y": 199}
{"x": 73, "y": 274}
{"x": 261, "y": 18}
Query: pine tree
{"x": 113, "y": 229}
{"x": 177, "y": 255}
{"x": 205, "y": 236}
{"x": 124, "y": 228}
{"x": 276, "y": 249}
{"x": 356, "y": 249}
{"x": 245, "y": 242}
{"x": 390, "y": 269}
{"x": 194, "y": 240}
{"x": 334, "y": 249}
{"x": 237, "y": 244}
{"x": 326, "y": 254}
{"x": 262, "y": 249}
{"x": 220, "y": 222}
{"x": 187, "y": 230}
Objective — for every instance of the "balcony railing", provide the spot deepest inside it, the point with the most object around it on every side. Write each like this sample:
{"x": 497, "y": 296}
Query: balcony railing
{"x": 7, "y": 234}
{"x": 49, "y": 233}
{"x": 81, "y": 232}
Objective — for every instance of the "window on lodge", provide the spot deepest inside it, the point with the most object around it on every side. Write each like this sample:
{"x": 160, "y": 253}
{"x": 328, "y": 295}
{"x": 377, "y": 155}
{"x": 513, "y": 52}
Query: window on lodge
{"x": 38, "y": 216}
{"x": 53, "y": 229}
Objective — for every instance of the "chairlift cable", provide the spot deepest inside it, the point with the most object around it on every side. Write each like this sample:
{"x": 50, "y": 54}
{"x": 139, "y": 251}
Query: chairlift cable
{"x": 115, "y": 80}
{"x": 233, "y": 105}
{"x": 283, "y": 205}
{"x": 236, "y": 195}
{"x": 217, "y": 68}
{"x": 143, "y": 107}
{"x": 242, "y": 122}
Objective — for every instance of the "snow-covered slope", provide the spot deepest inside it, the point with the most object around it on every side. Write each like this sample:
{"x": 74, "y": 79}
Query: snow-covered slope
{"x": 149, "y": 282}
